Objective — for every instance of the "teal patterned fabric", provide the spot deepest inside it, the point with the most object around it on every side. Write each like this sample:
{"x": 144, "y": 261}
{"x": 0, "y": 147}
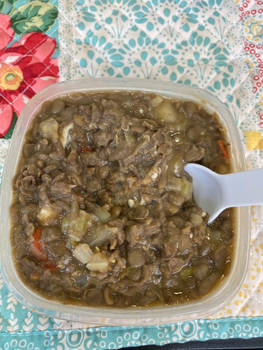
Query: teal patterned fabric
{"x": 118, "y": 337}
{"x": 167, "y": 42}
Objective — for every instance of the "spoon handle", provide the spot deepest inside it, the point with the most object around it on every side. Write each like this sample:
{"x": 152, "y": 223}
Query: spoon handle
{"x": 243, "y": 188}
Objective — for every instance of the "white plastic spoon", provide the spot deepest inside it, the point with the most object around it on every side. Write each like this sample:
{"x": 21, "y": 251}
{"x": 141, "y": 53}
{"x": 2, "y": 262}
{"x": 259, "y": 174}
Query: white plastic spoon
{"x": 213, "y": 192}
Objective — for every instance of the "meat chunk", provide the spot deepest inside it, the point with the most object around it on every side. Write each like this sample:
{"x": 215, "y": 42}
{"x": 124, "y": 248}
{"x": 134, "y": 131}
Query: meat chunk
{"x": 60, "y": 189}
{"x": 122, "y": 146}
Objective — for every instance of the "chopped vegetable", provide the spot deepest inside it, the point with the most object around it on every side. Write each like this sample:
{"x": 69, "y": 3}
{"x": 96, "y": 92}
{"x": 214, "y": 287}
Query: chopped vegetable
{"x": 51, "y": 266}
{"x": 101, "y": 235}
{"x": 65, "y": 136}
{"x": 175, "y": 164}
{"x": 180, "y": 184}
{"x": 37, "y": 236}
{"x": 36, "y": 246}
{"x": 131, "y": 203}
{"x": 187, "y": 188}
{"x": 38, "y": 251}
{"x": 57, "y": 106}
{"x": 101, "y": 213}
{"x": 83, "y": 253}
{"x": 85, "y": 149}
{"x": 196, "y": 219}
{"x": 77, "y": 226}
{"x": 168, "y": 113}
{"x": 156, "y": 101}
{"x": 77, "y": 194}
{"x": 165, "y": 112}
{"x": 223, "y": 148}
{"x": 49, "y": 129}
{"x": 46, "y": 215}
{"x": 174, "y": 183}
{"x": 98, "y": 262}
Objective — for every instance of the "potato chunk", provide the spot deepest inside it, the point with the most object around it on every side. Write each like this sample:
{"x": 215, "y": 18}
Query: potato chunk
{"x": 77, "y": 226}
{"x": 49, "y": 129}
{"x": 83, "y": 253}
{"x": 98, "y": 263}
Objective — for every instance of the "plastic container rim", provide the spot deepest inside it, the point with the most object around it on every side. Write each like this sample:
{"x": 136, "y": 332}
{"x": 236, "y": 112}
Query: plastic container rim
{"x": 129, "y": 316}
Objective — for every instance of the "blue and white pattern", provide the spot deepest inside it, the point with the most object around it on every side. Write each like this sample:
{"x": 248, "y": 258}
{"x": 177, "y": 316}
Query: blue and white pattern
{"x": 153, "y": 39}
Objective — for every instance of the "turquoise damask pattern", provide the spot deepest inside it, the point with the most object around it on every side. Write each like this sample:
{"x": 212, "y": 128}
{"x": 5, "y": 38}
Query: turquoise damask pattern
{"x": 159, "y": 43}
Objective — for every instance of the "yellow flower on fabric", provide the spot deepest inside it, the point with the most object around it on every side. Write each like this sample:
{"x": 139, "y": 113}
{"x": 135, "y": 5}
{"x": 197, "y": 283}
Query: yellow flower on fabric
{"x": 253, "y": 29}
{"x": 256, "y": 29}
{"x": 10, "y": 77}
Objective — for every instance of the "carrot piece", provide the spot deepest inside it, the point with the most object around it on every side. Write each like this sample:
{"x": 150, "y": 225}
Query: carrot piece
{"x": 37, "y": 234}
{"x": 37, "y": 237}
{"x": 37, "y": 251}
{"x": 85, "y": 149}
{"x": 78, "y": 194}
{"x": 223, "y": 149}
{"x": 50, "y": 266}
{"x": 36, "y": 247}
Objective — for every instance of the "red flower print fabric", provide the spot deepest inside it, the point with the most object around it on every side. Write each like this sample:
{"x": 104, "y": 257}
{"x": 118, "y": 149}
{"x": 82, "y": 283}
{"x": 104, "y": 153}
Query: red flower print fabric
{"x": 26, "y": 67}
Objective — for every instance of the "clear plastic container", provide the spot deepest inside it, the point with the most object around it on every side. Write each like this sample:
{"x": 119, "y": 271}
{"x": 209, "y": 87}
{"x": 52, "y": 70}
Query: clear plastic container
{"x": 133, "y": 316}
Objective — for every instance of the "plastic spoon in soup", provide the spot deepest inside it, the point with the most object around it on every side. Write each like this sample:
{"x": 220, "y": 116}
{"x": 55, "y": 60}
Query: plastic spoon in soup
{"x": 214, "y": 192}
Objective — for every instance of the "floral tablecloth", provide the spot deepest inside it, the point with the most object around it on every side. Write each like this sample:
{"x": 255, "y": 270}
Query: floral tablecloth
{"x": 213, "y": 44}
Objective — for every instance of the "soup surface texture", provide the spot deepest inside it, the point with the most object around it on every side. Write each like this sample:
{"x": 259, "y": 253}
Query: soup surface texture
{"x": 103, "y": 212}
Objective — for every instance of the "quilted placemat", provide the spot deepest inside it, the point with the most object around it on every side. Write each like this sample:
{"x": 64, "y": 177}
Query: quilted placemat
{"x": 213, "y": 44}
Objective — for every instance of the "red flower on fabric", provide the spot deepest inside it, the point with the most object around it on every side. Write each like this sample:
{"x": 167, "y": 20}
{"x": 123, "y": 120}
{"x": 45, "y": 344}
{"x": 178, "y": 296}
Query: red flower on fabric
{"x": 26, "y": 67}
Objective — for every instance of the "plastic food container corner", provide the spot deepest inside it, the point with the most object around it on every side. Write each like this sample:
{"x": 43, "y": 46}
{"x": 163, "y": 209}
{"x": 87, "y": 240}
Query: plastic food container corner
{"x": 131, "y": 316}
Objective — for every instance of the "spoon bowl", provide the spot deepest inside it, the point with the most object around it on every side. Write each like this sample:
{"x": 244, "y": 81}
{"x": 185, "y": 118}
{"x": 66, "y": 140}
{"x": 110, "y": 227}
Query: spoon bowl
{"x": 214, "y": 192}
